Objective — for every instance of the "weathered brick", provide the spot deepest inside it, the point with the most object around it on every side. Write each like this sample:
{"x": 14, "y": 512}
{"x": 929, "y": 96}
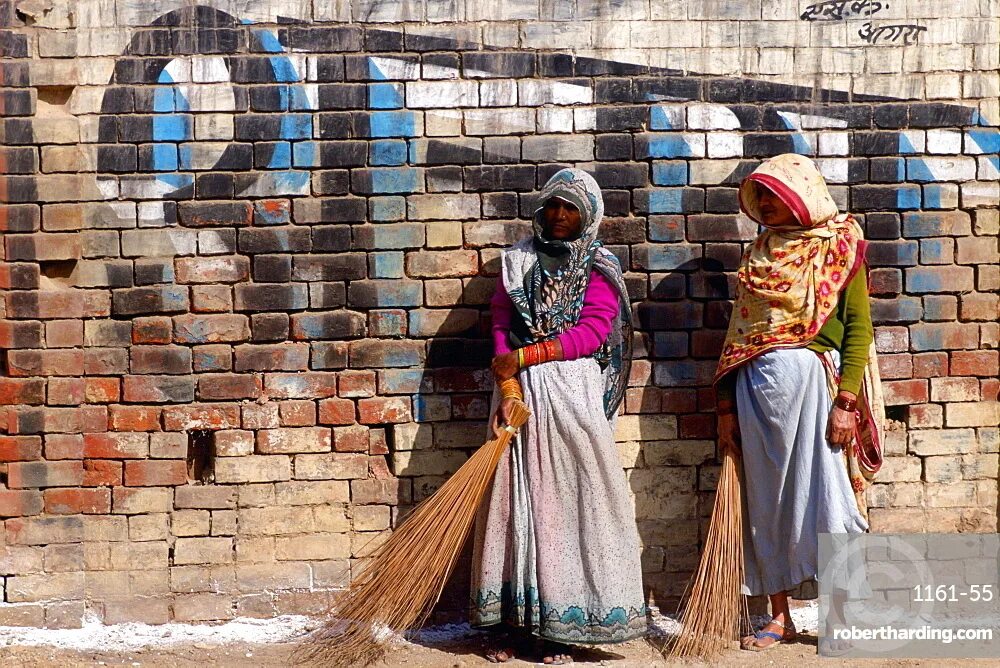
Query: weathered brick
{"x": 339, "y": 267}
{"x": 330, "y": 325}
{"x": 226, "y": 386}
{"x": 254, "y": 468}
{"x": 287, "y": 441}
{"x": 20, "y": 448}
{"x": 73, "y": 501}
{"x": 134, "y": 418}
{"x": 102, "y": 473}
{"x": 215, "y": 214}
{"x": 211, "y": 298}
{"x": 125, "y": 445}
{"x": 66, "y": 391}
{"x": 943, "y": 336}
{"x": 381, "y": 353}
{"x": 203, "y": 607}
{"x": 440, "y": 264}
{"x": 418, "y": 463}
{"x": 954, "y": 389}
{"x": 336, "y": 411}
{"x": 44, "y": 530}
{"x": 315, "y": 546}
{"x": 219, "y": 269}
{"x": 48, "y": 587}
{"x": 15, "y": 334}
{"x": 158, "y": 389}
{"x": 307, "y": 385}
{"x": 211, "y": 328}
{"x": 42, "y": 246}
{"x": 207, "y": 496}
{"x": 45, "y": 362}
{"x": 939, "y": 279}
{"x": 19, "y": 503}
{"x": 384, "y": 410}
{"x": 979, "y": 306}
{"x": 203, "y": 551}
{"x": 297, "y": 413}
{"x": 978, "y": 414}
{"x": 233, "y": 443}
{"x": 334, "y": 466}
{"x": 155, "y": 473}
{"x": 975, "y": 363}
{"x": 271, "y": 297}
{"x": 101, "y": 390}
{"x": 201, "y": 416}
{"x": 268, "y": 577}
{"x": 44, "y": 474}
{"x": 903, "y": 392}
{"x": 280, "y": 357}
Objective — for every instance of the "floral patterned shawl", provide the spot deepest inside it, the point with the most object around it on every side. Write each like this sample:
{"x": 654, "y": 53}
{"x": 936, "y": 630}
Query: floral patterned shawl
{"x": 547, "y": 280}
{"x": 790, "y": 278}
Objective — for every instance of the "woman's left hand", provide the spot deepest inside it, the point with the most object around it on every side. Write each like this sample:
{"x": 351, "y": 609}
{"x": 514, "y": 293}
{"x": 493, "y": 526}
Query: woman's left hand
{"x": 505, "y": 366}
{"x": 840, "y": 427}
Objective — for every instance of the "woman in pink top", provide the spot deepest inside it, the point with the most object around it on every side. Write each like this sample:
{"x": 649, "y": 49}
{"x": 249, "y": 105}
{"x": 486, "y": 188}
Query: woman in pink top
{"x": 557, "y": 550}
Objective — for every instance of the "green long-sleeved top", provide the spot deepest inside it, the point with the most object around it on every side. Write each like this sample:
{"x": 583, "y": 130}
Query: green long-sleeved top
{"x": 848, "y": 329}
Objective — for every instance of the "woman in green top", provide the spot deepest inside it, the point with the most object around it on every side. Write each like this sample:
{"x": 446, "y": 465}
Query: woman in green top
{"x": 788, "y": 379}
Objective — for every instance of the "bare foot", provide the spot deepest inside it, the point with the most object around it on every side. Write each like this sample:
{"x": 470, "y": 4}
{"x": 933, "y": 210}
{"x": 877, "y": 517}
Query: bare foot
{"x": 501, "y": 655}
{"x": 556, "y": 654}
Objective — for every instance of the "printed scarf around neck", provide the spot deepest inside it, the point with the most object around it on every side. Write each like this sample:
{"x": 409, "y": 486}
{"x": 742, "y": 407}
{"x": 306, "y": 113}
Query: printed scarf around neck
{"x": 790, "y": 278}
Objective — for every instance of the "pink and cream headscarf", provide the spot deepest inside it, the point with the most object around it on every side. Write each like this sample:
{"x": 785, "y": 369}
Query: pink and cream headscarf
{"x": 790, "y": 278}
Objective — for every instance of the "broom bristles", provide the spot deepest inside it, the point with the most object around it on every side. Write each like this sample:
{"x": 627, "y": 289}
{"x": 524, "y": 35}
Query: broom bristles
{"x": 715, "y": 612}
{"x": 403, "y": 579}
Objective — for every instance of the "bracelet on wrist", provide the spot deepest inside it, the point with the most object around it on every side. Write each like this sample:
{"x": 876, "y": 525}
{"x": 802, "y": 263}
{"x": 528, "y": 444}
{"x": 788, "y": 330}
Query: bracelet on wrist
{"x": 511, "y": 389}
{"x": 845, "y": 403}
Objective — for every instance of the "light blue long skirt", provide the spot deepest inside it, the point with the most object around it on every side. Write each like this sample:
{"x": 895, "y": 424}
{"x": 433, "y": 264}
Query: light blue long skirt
{"x": 796, "y": 485}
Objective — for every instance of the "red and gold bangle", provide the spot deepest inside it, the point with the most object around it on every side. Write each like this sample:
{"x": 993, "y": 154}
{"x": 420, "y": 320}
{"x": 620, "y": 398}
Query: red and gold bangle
{"x": 536, "y": 353}
{"x": 511, "y": 389}
{"x": 530, "y": 355}
{"x": 844, "y": 403}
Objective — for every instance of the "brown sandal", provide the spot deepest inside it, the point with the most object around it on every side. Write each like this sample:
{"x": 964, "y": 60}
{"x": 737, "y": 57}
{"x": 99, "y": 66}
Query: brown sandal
{"x": 751, "y": 642}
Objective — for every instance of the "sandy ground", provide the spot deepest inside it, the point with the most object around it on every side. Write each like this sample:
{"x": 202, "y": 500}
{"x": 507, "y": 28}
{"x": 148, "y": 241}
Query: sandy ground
{"x": 454, "y": 646}
{"x": 455, "y": 654}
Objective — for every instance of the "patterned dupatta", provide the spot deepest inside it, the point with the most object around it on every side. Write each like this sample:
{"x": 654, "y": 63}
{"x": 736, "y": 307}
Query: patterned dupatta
{"x": 547, "y": 281}
{"x": 790, "y": 278}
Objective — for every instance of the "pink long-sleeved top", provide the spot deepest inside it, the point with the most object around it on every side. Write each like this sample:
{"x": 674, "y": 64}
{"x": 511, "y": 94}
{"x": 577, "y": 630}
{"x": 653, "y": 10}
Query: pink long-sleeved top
{"x": 600, "y": 305}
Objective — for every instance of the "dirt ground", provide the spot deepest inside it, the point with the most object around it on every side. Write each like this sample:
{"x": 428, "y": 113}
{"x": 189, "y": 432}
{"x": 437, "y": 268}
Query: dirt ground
{"x": 454, "y": 654}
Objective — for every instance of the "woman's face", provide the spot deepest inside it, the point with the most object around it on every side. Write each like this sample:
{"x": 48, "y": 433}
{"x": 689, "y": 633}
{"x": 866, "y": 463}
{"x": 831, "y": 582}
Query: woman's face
{"x": 562, "y": 220}
{"x": 773, "y": 211}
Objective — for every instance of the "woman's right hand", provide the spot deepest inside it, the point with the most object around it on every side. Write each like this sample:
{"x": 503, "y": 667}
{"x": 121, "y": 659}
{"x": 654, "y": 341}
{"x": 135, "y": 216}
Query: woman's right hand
{"x": 502, "y": 416}
{"x": 505, "y": 366}
{"x": 728, "y": 428}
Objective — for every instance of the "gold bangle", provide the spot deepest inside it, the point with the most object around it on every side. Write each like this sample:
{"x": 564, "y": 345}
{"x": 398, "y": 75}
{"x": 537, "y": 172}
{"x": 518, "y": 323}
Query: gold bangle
{"x": 511, "y": 389}
{"x": 520, "y": 358}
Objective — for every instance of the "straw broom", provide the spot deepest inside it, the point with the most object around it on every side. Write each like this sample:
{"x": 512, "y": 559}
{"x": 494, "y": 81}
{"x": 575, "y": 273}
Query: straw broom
{"x": 403, "y": 580}
{"x": 716, "y": 610}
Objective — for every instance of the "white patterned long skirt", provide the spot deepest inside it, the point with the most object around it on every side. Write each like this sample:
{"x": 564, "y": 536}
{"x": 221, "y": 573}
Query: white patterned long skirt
{"x": 557, "y": 549}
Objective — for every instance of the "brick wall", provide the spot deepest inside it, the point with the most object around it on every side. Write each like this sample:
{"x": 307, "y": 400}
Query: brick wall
{"x": 248, "y": 250}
